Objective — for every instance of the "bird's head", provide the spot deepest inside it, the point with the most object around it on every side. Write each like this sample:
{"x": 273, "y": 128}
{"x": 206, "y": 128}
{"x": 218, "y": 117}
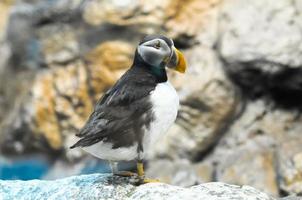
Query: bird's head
{"x": 159, "y": 51}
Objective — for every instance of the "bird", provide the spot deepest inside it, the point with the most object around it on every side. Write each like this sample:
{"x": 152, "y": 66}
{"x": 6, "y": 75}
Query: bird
{"x": 137, "y": 110}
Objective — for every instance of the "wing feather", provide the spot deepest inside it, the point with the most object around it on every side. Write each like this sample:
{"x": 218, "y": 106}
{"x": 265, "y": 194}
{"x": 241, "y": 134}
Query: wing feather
{"x": 116, "y": 114}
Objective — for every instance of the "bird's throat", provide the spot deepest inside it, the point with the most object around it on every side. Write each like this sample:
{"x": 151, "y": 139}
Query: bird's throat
{"x": 160, "y": 73}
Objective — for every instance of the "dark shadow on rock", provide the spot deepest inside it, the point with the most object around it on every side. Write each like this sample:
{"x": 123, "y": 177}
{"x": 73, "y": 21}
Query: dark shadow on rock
{"x": 269, "y": 80}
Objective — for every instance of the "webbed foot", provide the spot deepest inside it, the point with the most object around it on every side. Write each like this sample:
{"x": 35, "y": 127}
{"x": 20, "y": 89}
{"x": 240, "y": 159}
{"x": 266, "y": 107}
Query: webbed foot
{"x": 141, "y": 175}
{"x": 124, "y": 173}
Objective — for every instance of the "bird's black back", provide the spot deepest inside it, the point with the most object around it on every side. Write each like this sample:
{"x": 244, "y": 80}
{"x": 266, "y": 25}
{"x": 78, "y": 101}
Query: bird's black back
{"x": 122, "y": 114}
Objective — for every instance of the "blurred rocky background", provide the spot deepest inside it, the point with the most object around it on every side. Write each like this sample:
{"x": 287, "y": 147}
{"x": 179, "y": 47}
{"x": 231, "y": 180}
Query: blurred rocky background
{"x": 241, "y": 99}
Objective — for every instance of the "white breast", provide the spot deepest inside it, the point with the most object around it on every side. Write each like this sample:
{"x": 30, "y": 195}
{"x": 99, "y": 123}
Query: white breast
{"x": 165, "y": 104}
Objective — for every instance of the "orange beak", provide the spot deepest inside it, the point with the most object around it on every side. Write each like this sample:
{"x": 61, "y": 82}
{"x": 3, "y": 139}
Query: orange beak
{"x": 178, "y": 62}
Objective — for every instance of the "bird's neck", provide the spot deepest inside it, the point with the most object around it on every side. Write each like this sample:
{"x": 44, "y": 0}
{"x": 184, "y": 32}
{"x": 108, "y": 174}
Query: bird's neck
{"x": 159, "y": 72}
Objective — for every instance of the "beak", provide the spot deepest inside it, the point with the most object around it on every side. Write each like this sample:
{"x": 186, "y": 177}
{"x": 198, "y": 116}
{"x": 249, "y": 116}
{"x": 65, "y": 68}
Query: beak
{"x": 177, "y": 61}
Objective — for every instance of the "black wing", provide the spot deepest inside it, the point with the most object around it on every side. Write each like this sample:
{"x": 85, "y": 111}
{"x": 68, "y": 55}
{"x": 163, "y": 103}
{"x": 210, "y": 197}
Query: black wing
{"x": 120, "y": 115}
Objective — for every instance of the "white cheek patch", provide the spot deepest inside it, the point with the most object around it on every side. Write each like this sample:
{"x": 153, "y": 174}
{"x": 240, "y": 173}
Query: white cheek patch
{"x": 150, "y": 42}
{"x": 141, "y": 51}
{"x": 154, "y": 56}
{"x": 150, "y": 55}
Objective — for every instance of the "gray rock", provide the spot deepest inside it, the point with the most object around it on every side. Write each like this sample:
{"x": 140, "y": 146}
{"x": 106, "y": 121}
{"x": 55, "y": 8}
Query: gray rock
{"x": 292, "y": 197}
{"x": 258, "y": 53}
{"x": 181, "y": 172}
{"x": 98, "y": 186}
{"x": 290, "y": 160}
{"x": 260, "y": 29}
{"x": 265, "y": 140}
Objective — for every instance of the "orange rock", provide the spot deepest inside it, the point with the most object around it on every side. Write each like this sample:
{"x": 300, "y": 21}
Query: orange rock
{"x": 4, "y": 11}
{"x": 63, "y": 97}
{"x": 46, "y": 123}
{"x": 188, "y": 17}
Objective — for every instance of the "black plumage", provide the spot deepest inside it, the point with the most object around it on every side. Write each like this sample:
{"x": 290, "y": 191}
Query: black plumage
{"x": 122, "y": 114}
{"x": 136, "y": 112}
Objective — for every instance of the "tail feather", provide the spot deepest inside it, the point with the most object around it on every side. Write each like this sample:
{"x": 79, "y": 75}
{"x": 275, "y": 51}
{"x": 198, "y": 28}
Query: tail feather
{"x": 75, "y": 145}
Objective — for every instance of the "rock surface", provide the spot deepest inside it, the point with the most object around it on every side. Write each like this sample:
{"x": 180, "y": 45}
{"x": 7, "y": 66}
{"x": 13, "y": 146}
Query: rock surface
{"x": 98, "y": 186}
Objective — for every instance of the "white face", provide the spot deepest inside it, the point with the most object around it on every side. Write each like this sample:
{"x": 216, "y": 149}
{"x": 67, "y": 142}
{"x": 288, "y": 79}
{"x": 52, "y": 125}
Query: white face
{"x": 155, "y": 52}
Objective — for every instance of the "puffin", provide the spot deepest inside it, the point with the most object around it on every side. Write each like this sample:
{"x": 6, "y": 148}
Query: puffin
{"x": 138, "y": 110}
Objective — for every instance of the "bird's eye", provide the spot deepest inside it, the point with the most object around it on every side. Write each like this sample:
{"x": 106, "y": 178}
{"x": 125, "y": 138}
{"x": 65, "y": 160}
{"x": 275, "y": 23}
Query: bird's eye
{"x": 157, "y": 45}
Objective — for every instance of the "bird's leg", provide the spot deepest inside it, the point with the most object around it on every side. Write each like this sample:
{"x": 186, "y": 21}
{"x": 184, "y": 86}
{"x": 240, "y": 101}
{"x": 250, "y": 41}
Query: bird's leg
{"x": 141, "y": 174}
{"x": 115, "y": 170}
{"x": 140, "y": 169}
{"x": 113, "y": 166}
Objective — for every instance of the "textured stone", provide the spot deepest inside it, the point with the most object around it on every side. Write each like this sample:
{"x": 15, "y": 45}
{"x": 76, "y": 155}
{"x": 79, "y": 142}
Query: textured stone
{"x": 181, "y": 21}
{"x": 260, "y": 30}
{"x": 266, "y": 140}
{"x": 239, "y": 167}
{"x": 290, "y": 165}
{"x": 144, "y": 16}
{"x": 292, "y": 197}
{"x": 59, "y": 45}
{"x": 261, "y": 48}
{"x": 108, "y": 62}
{"x": 97, "y": 186}
{"x": 193, "y": 22}
{"x": 27, "y": 21}
{"x": 4, "y": 50}
{"x": 180, "y": 172}
{"x": 61, "y": 99}
{"x": 4, "y": 13}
